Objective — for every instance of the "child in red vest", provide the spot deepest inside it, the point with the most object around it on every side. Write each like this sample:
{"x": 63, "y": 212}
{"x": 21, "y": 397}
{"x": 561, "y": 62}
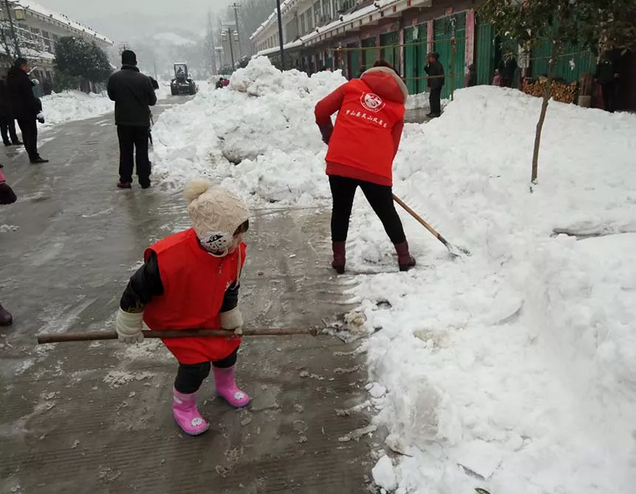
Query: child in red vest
{"x": 190, "y": 280}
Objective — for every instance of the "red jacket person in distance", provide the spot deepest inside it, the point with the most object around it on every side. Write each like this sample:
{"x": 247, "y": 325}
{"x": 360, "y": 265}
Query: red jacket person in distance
{"x": 362, "y": 146}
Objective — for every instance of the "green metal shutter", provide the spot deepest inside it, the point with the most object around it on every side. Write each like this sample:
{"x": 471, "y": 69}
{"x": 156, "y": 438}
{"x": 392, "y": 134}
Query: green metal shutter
{"x": 570, "y": 67}
{"x": 485, "y": 56}
{"x": 410, "y": 61}
{"x": 354, "y": 60}
{"x": 370, "y": 55}
{"x": 444, "y": 31}
{"x": 391, "y": 52}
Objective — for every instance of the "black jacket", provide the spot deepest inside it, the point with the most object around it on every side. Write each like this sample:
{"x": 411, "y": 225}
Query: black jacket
{"x": 435, "y": 69}
{"x": 133, "y": 95}
{"x": 5, "y": 106}
{"x": 605, "y": 71}
{"x": 507, "y": 68}
{"x": 23, "y": 103}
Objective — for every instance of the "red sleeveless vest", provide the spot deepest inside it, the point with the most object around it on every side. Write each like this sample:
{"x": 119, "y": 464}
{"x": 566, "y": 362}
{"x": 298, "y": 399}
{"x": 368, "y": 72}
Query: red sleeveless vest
{"x": 194, "y": 284}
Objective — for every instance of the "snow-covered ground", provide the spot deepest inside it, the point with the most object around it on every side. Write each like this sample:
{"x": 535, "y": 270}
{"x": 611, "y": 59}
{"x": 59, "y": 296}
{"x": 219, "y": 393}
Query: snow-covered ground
{"x": 513, "y": 369}
{"x": 68, "y": 106}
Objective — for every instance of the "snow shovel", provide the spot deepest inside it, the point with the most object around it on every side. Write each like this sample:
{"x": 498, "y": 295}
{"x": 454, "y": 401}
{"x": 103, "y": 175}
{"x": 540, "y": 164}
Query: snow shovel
{"x": 453, "y": 250}
{"x": 45, "y": 338}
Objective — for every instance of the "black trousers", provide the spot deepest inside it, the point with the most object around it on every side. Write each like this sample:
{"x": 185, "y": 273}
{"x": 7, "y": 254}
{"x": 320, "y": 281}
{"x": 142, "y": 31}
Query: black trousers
{"x": 131, "y": 139}
{"x": 609, "y": 96}
{"x": 380, "y": 197}
{"x": 191, "y": 376}
{"x": 434, "y": 99}
{"x": 7, "y": 128}
{"x": 29, "y": 128}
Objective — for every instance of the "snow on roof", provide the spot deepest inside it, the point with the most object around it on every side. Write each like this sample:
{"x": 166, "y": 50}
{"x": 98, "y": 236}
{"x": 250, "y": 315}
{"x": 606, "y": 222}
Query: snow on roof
{"x": 276, "y": 49}
{"x": 61, "y": 18}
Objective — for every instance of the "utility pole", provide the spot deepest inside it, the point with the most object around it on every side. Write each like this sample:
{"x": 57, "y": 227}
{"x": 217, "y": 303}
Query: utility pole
{"x": 236, "y": 8}
{"x": 227, "y": 31}
{"x": 210, "y": 42}
{"x": 280, "y": 36}
{"x": 13, "y": 34}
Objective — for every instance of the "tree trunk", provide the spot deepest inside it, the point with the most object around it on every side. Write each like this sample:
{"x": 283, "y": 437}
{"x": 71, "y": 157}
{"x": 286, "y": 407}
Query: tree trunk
{"x": 544, "y": 110}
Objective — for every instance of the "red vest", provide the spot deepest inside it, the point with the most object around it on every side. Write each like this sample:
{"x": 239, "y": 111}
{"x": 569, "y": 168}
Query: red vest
{"x": 194, "y": 284}
{"x": 362, "y": 136}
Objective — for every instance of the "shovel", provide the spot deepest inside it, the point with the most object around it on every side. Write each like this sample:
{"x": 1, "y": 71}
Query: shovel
{"x": 45, "y": 338}
{"x": 453, "y": 250}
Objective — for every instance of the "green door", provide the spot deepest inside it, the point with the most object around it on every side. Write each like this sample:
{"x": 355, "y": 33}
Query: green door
{"x": 370, "y": 53}
{"x": 354, "y": 60}
{"x": 390, "y": 49}
{"x": 415, "y": 58}
{"x": 570, "y": 67}
{"x": 485, "y": 53}
{"x": 445, "y": 29}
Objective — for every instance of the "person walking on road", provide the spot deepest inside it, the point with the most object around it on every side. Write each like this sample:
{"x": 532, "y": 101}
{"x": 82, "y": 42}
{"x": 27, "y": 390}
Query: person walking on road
{"x": 362, "y": 147}
{"x": 133, "y": 95}
{"x": 191, "y": 280}
{"x": 7, "y": 122}
{"x": 25, "y": 107}
{"x": 7, "y": 196}
{"x": 435, "y": 71}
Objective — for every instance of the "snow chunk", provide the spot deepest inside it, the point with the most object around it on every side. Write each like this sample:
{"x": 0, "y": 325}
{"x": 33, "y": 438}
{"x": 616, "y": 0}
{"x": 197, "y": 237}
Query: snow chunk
{"x": 384, "y": 474}
{"x": 69, "y": 106}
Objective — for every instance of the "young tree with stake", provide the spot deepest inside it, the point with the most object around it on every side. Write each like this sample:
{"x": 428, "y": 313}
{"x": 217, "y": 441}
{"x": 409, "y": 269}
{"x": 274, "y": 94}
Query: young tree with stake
{"x": 598, "y": 25}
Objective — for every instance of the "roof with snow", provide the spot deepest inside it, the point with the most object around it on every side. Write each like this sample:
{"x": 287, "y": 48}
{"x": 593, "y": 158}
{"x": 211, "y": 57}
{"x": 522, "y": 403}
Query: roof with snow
{"x": 36, "y": 8}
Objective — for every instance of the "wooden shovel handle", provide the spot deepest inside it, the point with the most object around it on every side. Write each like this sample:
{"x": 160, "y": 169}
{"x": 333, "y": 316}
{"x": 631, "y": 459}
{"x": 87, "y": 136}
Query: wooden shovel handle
{"x": 418, "y": 218}
{"x": 185, "y": 333}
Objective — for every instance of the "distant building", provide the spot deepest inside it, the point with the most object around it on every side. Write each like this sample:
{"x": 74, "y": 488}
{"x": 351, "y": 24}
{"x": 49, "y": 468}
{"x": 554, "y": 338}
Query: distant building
{"x": 38, "y": 30}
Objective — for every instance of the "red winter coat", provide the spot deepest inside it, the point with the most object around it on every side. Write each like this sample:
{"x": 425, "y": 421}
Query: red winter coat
{"x": 194, "y": 284}
{"x": 369, "y": 126}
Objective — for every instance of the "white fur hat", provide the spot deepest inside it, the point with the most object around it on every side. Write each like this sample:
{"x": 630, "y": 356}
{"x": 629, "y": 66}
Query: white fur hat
{"x": 215, "y": 213}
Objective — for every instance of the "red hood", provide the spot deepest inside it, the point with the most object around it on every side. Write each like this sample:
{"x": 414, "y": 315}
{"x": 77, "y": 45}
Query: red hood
{"x": 386, "y": 83}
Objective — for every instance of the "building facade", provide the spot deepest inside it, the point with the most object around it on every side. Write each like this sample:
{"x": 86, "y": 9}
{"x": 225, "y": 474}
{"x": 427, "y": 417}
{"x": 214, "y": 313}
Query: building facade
{"x": 351, "y": 34}
{"x": 38, "y": 29}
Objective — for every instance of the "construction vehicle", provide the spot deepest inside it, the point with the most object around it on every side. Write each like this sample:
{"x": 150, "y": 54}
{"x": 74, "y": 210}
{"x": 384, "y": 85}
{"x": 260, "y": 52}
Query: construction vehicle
{"x": 182, "y": 84}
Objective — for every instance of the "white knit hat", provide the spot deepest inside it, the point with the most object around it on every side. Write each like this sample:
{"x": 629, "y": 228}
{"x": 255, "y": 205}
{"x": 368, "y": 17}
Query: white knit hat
{"x": 215, "y": 213}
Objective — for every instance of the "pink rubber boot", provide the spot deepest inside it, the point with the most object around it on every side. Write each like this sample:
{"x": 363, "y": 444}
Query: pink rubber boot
{"x": 226, "y": 387}
{"x": 184, "y": 409}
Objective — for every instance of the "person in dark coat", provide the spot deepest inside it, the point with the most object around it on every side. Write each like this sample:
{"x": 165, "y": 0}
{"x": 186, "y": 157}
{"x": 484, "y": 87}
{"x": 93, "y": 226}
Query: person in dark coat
{"x": 607, "y": 76}
{"x": 507, "y": 69}
{"x": 435, "y": 71}
{"x": 25, "y": 107}
{"x": 7, "y": 196}
{"x": 7, "y": 122}
{"x": 133, "y": 95}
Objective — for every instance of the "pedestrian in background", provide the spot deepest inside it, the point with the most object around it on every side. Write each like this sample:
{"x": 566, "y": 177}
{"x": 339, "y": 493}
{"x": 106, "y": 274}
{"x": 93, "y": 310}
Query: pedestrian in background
{"x": 436, "y": 79}
{"x": 507, "y": 69}
{"x": 7, "y": 196}
{"x": 607, "y": 77}
{"x": 362, "y": 147}
{"x": 133, "y": 95}
{"x": 7, "y": 122}
{"x": 25, "y": 107}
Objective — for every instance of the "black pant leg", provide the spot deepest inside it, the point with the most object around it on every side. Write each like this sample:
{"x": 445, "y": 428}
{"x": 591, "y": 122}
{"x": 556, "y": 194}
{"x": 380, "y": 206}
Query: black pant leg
{"x": 191, "y": 376}
{"x": 30, "y": 137}
{"x": 343, "y": 191}
{"x": 4, "y": 127}
{"x": 435, "y": 100}
{"x": 380, "y": 198}
{"x": 12, "y": 132}
{"x": 229, "y": 361}
{"x": 141, "y": 155}
{"x": 126, "y": 150}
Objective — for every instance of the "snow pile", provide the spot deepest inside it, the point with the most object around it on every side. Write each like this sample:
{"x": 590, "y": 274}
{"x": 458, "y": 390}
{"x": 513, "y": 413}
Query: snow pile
{"x": 257, "y": 137}
{"x": 514, "y": 369}
{"x": 68, "y": 106}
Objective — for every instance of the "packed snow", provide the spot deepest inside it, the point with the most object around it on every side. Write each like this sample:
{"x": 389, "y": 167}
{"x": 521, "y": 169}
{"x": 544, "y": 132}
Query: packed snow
{"x": 68, "y": 106}
{"x": 512, "y": 369}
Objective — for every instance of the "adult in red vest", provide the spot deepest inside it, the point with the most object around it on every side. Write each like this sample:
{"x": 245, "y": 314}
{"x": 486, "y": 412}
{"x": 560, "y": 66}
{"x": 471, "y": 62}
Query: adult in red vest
{"x": 362, "y": 147}
{"x": 190, "y": 280}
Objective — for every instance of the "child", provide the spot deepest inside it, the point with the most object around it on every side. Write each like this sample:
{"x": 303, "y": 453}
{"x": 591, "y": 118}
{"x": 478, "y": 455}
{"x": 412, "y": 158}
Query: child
{"x": 496, "y": 81}
{"x": 190, "y": 280}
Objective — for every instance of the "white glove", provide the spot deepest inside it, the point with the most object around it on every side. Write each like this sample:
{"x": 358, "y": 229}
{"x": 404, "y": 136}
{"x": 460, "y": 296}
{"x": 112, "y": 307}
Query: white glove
{"x": 232, "y": 320}
{"x": 40, "y": 117}
{"x": 129, "y": 326}
{"x": 35, "y": 82}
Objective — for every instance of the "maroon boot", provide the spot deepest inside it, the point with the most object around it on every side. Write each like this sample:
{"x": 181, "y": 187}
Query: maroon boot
{"x": 339, "y": 257}
{"x": 405, "y": 259}
{"x": 6, "y": 319}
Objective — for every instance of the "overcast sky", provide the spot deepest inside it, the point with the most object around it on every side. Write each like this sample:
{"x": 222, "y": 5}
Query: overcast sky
{"x": 89, "y": 9}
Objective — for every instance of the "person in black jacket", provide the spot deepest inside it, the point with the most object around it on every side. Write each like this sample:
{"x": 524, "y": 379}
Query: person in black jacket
{"x": 7, "y": 122}
{"x": 133, "y": 95}
{"x": 507, "y": 69}
{"x": 435, "y": 71}
{"x": 25, "y": 107}
{"x": 607, "y": 76}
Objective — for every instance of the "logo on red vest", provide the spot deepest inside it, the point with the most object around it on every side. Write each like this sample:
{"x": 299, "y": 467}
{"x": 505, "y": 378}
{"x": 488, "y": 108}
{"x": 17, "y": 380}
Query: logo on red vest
{"x": 372, "y": 102}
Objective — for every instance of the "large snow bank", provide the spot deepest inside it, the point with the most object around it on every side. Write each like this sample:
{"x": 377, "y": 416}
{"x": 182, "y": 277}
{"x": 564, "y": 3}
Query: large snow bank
{"x": 74, "y": 105}
{"x": 516, "y": 365}
{"x": 257, "y": 136}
